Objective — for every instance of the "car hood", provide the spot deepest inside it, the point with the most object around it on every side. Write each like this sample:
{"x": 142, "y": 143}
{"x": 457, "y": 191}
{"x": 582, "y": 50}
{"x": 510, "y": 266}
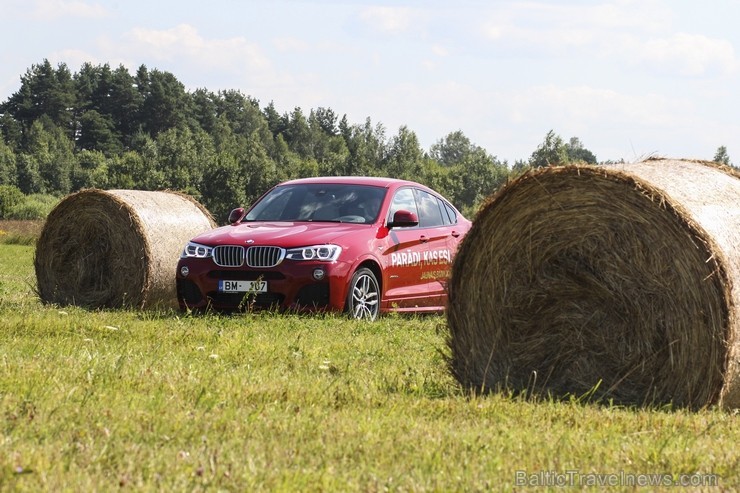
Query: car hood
{"x": 283, "y": 234}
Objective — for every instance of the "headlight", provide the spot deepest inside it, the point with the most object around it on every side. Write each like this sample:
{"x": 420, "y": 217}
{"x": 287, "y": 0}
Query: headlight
{"x": 324, "y": 253}
{"x": 196, "y": 250}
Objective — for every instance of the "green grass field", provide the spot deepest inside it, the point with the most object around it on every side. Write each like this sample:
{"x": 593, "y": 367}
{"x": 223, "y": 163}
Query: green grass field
{"x": 127, "y": 400}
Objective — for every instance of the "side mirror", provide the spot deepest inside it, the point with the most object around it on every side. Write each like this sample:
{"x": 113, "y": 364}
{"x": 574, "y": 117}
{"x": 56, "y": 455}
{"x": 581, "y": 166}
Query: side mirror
{"x": 236, "y": 215}
{"x": 403, "y": 219}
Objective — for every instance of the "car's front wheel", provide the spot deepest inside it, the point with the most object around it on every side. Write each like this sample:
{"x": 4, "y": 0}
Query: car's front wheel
{"x": 363, "y": 298}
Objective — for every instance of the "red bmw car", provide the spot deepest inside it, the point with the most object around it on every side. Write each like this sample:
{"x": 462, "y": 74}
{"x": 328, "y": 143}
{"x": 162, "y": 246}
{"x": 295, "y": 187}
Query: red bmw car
{"x": 364, "y": 246}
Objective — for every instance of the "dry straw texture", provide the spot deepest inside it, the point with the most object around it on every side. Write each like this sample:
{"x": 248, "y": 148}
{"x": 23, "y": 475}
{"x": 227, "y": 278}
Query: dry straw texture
{"x": 621, "y": 283}
{"x": 116, "y": 248}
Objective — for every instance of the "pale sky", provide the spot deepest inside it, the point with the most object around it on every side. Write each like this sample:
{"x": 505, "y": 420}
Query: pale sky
{"x": 630, "y": 79}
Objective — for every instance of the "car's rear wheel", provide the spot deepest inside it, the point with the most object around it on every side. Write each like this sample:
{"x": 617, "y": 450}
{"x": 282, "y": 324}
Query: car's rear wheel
{"x": 363, "y": 298}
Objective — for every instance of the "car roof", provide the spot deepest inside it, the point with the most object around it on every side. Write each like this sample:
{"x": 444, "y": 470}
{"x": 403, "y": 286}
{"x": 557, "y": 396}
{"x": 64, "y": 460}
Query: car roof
{"x": 354, "y": 180}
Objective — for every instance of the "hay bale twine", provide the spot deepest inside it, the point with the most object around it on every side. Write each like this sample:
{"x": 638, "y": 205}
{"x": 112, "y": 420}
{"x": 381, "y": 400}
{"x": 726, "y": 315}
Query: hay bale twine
{"x": 116, "y": 248}
{"x": 621, "y": 283}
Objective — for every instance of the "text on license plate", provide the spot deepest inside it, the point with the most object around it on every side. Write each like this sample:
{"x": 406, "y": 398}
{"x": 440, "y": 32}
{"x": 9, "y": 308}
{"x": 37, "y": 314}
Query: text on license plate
{"x": 242, "y": 286}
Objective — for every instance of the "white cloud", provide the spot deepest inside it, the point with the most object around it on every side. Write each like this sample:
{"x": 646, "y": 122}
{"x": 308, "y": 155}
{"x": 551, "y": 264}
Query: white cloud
{"x": 623, "y": 31}
{"x": 550, "y": 25}
{"x": 223, "y": 63}
{"x": 611, "y": 123}
{"x": 294, "y": 45}
{"x": 589, "y": 105}
{"x": 440, "y": 51}
{"x": 633, "y": 15}
{"x": 390, "y": 19}
{"x": 184, "y": 42}
{"x": 75, "y": 59}
{"x": 690, "y": 54}
{"x": 52, "y": 9}
{"x": 560, "y": 28}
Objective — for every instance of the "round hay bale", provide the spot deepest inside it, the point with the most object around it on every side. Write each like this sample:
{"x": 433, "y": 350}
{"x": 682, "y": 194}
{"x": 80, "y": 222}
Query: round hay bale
{"x": 618, "y": 283}
{"x": 116, "y": 248}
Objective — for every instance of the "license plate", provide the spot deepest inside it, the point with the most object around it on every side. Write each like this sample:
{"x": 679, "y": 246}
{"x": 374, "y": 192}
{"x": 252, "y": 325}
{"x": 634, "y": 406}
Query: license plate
{"x": 242, "y": 286}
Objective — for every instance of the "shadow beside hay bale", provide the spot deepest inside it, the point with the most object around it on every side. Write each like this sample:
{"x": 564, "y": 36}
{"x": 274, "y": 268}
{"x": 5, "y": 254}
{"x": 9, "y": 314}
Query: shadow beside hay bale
{"x": 116, "y": 248}
{"x": 622, "y": 282}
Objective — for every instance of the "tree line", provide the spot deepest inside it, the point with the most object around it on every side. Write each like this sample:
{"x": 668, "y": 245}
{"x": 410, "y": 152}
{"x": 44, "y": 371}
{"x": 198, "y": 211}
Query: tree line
{"x": 107, "y": 128}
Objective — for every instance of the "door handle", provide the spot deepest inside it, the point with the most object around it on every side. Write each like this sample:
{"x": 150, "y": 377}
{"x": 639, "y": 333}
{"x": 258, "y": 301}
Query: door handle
{"x": 455, "y": 234}
{"x": 423, "y": 239}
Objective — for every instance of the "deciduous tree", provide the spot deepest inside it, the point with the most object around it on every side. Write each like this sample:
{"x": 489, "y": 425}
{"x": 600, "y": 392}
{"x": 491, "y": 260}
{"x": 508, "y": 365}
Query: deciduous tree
{"x": 577, "y": 153}
{"x": 8, "y": 171}
{"x": 552, "y": 152}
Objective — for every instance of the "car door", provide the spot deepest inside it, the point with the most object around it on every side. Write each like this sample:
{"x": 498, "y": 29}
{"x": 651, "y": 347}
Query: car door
{"x": 436, "y": 234}
{"x": 402, "y": 255}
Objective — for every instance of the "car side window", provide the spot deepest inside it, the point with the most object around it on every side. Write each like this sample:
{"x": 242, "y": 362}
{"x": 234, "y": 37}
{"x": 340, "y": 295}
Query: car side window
{"x": 450, "y": 213}
{"x": 430, "y": 211}
{"x": 403, "y": 200}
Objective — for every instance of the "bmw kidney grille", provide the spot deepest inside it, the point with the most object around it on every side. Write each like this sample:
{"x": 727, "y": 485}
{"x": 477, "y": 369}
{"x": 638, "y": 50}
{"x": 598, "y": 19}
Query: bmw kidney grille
{"x": 255, "y": 256}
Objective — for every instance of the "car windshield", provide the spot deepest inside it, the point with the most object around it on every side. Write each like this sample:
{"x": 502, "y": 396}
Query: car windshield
{"x": 319, "y": 202}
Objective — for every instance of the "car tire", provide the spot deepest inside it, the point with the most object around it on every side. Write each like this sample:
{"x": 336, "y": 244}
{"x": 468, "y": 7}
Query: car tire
{"x": 363, "y": 296}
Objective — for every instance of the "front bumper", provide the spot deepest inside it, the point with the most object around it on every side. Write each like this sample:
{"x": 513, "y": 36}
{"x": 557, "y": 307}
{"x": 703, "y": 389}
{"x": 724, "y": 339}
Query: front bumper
{"x": 290, "y": 286}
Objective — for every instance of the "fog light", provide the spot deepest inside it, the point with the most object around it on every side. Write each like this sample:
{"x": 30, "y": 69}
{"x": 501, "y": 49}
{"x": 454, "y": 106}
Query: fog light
{"x": 318, "y": 274}
{"x": 184, "y": 271}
